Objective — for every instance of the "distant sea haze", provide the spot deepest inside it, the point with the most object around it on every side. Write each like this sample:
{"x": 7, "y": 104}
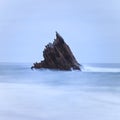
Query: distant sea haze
{"x": 90, "y": 94}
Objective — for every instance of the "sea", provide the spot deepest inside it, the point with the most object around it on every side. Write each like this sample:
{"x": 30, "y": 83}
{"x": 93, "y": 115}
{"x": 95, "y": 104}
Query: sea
{"x": 90, "y": 94}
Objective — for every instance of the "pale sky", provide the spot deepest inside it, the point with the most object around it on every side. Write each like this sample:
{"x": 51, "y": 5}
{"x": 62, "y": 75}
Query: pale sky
{"x": 90, "y": 27}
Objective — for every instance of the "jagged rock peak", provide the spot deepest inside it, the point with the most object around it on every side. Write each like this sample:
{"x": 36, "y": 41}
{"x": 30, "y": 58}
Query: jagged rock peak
{"x": 58, "y": 36}
{"x": 58, "y": 39}
{"x": 57, "y": 55}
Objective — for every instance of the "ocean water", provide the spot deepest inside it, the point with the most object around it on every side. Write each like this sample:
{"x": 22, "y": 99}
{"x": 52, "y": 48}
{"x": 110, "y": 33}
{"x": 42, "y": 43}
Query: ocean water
{"x": 92, "y": 94}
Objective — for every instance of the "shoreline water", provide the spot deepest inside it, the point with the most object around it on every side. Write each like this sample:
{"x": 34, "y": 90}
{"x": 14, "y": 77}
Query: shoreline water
{"x": 33, "y": 102}
{"x": 54, "y": 95}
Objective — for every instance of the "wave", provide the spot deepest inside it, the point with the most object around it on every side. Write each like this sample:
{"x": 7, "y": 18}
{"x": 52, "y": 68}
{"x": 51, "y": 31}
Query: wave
{"x": 86, "y": 68}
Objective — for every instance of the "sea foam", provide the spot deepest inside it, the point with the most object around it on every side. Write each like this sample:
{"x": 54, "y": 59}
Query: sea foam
{"x": 87, "y": 68}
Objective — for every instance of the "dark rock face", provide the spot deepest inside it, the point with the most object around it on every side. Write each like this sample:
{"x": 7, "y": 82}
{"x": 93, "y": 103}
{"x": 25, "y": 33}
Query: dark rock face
{"x": 57, "y": 55}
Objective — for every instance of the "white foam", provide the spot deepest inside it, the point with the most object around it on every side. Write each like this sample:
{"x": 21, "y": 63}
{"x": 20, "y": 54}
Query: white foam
{"x": 86, "y": 68}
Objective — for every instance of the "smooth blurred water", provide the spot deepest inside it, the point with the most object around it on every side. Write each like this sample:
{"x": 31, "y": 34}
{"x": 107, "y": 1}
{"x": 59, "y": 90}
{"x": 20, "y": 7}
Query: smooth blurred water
{"x": 98, "y": 75}
{"x": 90, "y": 94}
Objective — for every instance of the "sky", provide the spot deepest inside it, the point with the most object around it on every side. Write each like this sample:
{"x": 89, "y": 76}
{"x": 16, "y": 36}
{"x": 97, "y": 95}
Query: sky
{"x": 90, "y": 27}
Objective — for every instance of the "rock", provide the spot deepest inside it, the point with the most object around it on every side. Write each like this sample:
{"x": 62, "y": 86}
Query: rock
{"x": 57, "y": 55}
